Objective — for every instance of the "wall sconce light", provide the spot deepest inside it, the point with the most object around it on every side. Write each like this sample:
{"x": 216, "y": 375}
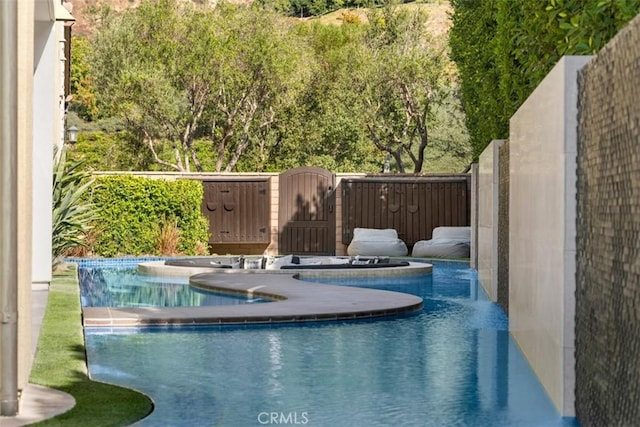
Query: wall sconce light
{"x": 72, "y": 134}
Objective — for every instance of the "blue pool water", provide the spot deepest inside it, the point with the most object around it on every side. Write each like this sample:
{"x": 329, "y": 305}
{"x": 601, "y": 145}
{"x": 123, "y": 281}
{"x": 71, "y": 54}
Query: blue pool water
{"x": 121, "y": 286}
{"x": 453, "y": 364}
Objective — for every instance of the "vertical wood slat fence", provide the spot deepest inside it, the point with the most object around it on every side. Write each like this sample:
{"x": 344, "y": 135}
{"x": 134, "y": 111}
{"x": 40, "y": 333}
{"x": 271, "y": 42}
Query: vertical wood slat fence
{"x": 413, "y": 206}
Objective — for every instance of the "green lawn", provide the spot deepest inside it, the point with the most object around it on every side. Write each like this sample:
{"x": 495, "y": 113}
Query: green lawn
{"x": 60, "y": 363}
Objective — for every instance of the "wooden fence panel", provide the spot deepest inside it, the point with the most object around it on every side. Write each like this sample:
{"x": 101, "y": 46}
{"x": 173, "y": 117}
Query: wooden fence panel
{"x": 237, "y": 211}
{"x": 411, "y": 205}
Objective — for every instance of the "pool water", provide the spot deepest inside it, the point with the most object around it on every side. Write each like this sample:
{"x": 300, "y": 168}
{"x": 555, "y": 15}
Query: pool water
{"x": 122, "y": 287}
{"x": 453, "y": 364}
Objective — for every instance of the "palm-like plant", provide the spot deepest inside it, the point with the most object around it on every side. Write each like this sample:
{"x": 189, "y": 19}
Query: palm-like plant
{"x": 72, "y": 213}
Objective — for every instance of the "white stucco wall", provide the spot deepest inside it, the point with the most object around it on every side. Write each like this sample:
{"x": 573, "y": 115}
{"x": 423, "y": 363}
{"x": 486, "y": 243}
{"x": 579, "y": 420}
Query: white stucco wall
{"x": 542, "y": 215}
{"x": 46, "y": 132}
{"x": 488, "y": 181}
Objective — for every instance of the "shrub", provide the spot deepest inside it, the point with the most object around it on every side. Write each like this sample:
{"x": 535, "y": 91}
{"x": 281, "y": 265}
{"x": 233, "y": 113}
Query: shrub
{"x": 504, "y": 48}
{"x": 168, "y": 238}
{"x": 71, "y": 213}
{"x": 136, "y": 214}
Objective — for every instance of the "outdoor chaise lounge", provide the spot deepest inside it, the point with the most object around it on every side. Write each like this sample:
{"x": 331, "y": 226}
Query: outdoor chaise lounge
{"x": 451, "y": 242}
{"x": 374, "y": 242}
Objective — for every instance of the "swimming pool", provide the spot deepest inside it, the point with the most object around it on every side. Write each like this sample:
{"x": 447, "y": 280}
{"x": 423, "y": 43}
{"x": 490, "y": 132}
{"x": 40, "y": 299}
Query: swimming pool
{"x": 452, "y": 364}
{"x": 122, "y": 286}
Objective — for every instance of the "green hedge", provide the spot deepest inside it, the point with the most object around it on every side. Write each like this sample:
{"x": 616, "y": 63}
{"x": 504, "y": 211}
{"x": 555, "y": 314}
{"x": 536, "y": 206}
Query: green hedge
{"x": 133, "y": 210}
{"x": 504, "y": 48}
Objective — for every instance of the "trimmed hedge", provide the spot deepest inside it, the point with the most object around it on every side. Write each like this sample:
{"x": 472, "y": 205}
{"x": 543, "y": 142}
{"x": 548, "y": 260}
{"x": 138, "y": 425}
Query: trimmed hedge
{"x": 504, "y": 48}
{"x": 132, "y": 212}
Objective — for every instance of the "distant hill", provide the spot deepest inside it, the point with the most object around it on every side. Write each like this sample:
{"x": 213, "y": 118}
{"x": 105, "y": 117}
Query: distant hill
{"x": 83, "y": 26}
{"x": 439, "y": 21}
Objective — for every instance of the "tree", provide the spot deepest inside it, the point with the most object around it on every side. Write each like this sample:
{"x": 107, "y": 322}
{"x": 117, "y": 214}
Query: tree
{"x": 327, "y": 116}
{"x": 83, "y": 98}
{"x": 405, "y": 75}
{"x": 237, "y": 88}
{"x": 258, "y": 72}
{"x": 175, "y": 72}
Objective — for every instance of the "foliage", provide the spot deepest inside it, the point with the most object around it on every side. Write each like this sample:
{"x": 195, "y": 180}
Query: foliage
{"x": 257, "y": 92}
{"x": 72, "y": 214}
{"x": 405, "y": 77}
{"x": 168, "y": 238}
{"x": 110, "y": 151}
{"x": 60, "y": 363}
{"x": 327, "y": 114}
{"x": 133, "y": 211}
{"x": 225, "y": 86}
{"x": 503, "y": 49}
{"x": 307, "y": 8}
{"x": 83, "y": 101}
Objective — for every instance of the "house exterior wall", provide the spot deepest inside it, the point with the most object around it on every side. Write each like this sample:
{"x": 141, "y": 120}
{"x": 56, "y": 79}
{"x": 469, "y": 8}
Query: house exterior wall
{"x": 46, "y": 134}
{"x": 36, "y": 75}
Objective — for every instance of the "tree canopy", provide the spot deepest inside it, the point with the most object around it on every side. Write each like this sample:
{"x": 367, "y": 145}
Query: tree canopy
{"x": 242, "y": 88}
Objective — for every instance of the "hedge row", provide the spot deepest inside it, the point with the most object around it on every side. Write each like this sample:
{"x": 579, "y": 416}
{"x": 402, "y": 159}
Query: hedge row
{"x": 135, "y": 213}
{"x": 504, "y": 48}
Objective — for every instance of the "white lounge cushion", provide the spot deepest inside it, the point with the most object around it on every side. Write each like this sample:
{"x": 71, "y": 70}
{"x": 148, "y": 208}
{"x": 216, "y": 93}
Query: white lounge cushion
{"x": 450, "y": 242}
{"x": 376, "y": 242}
{"x": 374, "y": 235}
{"x": 454, "y": 233}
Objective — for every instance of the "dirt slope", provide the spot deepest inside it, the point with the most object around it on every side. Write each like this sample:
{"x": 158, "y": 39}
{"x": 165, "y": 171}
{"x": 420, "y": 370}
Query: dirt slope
{"x": 439, "y": 21}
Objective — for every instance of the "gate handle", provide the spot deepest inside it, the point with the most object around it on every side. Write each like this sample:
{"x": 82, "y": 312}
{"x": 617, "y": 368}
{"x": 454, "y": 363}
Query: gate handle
{"x": 329, "y": 197}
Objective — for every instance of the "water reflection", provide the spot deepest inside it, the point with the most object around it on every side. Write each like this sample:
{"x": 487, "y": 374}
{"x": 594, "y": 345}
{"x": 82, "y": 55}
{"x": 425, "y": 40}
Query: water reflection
{"x": 452, "y": 364}
{"x": 123, "y": 287}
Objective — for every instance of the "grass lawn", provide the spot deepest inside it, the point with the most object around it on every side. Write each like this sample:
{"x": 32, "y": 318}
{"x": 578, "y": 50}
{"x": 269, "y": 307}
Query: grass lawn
{"x": 60, "y": 363}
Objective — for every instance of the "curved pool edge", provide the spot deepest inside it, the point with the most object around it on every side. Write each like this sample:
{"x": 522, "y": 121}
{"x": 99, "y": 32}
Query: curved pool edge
{"x": 159, "y": 268}
{"x": 296, "y": 301}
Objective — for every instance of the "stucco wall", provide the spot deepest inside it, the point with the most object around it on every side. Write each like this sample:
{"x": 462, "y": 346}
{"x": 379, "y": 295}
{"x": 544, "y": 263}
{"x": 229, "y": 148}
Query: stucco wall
{"x": 488, "y": 181}
{"x": 542, "y": 230}
{"x": 46, "y": 135}
{"x": 608, "y": 231}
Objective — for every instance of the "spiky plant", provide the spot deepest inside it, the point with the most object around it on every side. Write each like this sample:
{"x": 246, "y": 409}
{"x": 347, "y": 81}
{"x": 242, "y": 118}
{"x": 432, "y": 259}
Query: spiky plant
{"x": 72, "y": 213}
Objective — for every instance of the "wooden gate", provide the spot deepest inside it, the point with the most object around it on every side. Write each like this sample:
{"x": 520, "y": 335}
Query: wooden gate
{"x": 307, "y": 212}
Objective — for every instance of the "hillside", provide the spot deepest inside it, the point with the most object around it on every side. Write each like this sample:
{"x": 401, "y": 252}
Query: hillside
{"x": 439, "y": 22}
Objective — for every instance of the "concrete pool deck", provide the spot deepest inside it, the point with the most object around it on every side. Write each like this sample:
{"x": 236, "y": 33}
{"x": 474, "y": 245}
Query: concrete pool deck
{"x": 294, "y": 300}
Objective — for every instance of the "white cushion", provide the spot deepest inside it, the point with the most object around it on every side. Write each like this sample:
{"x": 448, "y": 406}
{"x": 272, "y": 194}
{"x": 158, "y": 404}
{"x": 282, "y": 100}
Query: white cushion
{"x": 276, "y": 263}
{"x": 375, "y": 242}
{"x": 441, "y": 248}
{"x": 387, "y": 248}
{"x": 374, "y": 235}
{"x": 452, "y": 233}
{"x": 452, "y": 242}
